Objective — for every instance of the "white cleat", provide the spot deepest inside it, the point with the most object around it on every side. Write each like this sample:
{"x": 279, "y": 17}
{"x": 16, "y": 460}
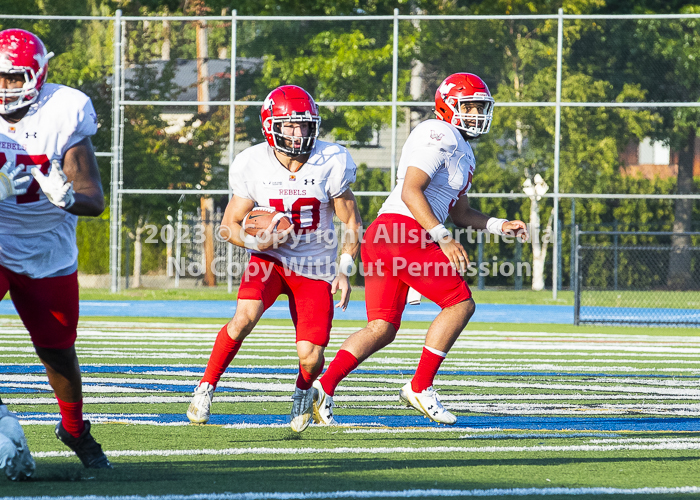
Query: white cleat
{"x": 302, "y": 408}
{"x": 199, "y": 410}
{"x": 323, "y": 405}
{"x": 15, "y": 459}
{"x": 427, "y": 403}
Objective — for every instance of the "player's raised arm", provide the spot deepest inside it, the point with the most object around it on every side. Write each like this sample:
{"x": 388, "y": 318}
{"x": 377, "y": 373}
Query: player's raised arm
{"x": 346, "y": 209}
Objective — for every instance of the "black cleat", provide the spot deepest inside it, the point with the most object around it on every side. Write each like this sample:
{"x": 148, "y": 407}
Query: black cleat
{"x": 88, "y": 450}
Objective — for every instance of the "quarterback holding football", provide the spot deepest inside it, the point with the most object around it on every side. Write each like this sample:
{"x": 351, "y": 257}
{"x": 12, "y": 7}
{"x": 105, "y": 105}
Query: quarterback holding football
{"x": 49, "y": 177}
{"x": 285, "y": 193}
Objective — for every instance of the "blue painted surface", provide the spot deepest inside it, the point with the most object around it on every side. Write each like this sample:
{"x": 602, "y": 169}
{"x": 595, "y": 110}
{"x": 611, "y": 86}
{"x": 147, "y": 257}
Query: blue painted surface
{"x": 690, "y": 317}
{"x": 426, "y": 311}
{"x": 532, "y": 423}
{"x": 170, "y": 370}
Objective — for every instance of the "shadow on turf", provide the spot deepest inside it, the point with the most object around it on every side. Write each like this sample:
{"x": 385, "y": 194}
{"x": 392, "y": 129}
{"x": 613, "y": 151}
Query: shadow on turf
{"x": 191, "y": 475}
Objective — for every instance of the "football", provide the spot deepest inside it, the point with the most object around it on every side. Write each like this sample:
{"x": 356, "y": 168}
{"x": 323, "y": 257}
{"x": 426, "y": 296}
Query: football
{"x": 260, "y": 218}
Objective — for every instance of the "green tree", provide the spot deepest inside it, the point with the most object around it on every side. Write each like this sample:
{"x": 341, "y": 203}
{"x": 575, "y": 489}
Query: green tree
{"x": 658, "y": 54}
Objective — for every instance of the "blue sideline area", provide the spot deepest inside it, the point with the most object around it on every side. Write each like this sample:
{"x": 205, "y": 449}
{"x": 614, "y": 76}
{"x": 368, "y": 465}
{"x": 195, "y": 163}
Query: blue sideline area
{"x": 426, "y": 311}
{"x": 676, "y": 424}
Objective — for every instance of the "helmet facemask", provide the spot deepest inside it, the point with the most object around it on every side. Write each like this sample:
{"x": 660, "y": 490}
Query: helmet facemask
{"x": 28, "y": 93}
{"x": 293, "y": 145}
{"x": 473, "y": 125}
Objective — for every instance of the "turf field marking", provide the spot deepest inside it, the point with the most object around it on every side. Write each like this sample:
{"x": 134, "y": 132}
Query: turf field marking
{"x": 494, "y": 492}
{"x": 677, "y": 446}
{"x": 221, "y": 398}
{"x": 644, "y": 440}
{"x": 551, "y": 435}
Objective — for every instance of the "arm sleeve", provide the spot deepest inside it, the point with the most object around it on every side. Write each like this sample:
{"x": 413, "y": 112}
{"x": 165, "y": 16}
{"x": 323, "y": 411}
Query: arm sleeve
{"x": 237, "y": 179}
{"x": 85, "y": 120}
{"x": 342, "y": 177}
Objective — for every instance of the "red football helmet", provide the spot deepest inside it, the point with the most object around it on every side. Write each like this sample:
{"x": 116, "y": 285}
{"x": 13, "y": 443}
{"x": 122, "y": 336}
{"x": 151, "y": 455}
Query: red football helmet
{"x": 462, "y": 88}
{"x": 285, "y": 104}
{"x": 22, "y": 52}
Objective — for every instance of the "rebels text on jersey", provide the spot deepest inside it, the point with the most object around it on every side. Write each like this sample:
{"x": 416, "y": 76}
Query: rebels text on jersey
{"x": 37, "y": 238}
{"x": 305, "y": 196}
{"x": 438, "y": 149}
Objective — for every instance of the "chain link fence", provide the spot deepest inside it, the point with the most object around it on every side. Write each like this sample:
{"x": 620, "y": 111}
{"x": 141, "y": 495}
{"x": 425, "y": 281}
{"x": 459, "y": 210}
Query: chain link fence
{"x": 637, "y": 278}
{"x": 179, "y": 97}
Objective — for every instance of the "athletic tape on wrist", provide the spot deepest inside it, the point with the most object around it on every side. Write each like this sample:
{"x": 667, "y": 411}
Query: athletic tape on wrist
{"x": 251, "y": 242}
{"x": 347, "y": 264}
{"x": 495, "y": 226}
{"x": 439, "y": 233}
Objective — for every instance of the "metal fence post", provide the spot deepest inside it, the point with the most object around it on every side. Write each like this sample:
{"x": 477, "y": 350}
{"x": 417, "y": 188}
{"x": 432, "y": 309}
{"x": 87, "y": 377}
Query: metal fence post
{"x": 480, "y": 258}
{"x": 615, "y": 259}
{"x": 231, "y": 141}
{"x": 114, "y": 180}
{"x": 518, "y": 260}
{"x": 577, "y": 278}
{"x": 557, "y": 147}
{"x": 127, "y": 257}
{"x": 559, "y": 258}
{"x": 120, "y": 118}
{"x": 178, "y": 248}
{"x": 394, "y": 96}
{"x": 573, "y": 247}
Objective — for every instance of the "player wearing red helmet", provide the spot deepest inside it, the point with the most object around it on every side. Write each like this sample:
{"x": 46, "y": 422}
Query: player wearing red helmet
{"x": 308, "y": 180}
{"x": 293, "y": 106}
{"x": 458, "y": 97}
{"x": 49, "y": 177}
{"x": 23, "y": 55}
{"x": 408, "y": 246}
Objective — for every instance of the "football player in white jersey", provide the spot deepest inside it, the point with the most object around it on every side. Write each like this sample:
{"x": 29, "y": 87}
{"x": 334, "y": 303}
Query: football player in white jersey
{"x": 309, "y": 180}
{"x": 49, "y": 178}
{"x": 409, "y": 247}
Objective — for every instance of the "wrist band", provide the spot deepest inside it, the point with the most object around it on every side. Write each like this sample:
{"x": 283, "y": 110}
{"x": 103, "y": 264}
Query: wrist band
{"x": 251, "y": 242}
{"x": 439, "y": 233}
{"x": 347, "y": 264}
{"x": 495, "y": 226}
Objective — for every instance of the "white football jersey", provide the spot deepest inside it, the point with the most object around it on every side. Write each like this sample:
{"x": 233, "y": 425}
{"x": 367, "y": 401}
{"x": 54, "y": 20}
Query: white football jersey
{"x": 305, "y": 196}
{"x": 438, "y": 149}
{"x": 36, "y": 237}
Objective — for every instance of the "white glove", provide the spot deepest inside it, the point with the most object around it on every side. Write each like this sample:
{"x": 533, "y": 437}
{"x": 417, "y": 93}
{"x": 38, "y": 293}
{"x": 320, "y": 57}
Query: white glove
{"x": 55, "y": 185}
{"x": 9, "y": 186}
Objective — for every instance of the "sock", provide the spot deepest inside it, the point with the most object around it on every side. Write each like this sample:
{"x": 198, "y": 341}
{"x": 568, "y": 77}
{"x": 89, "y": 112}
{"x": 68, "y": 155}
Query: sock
{"x": 225, "y": 349}
{"x": 72, "y": 417}
{"x": 343, "y": 363}
{"x": 305, "y": 379}
{"x": 428, "y": 366}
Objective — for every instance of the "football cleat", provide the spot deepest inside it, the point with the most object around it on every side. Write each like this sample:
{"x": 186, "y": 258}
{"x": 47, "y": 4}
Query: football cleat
{"x": 199, "y": 410}
{"x": 302, "y": 409}
{"x": 323, "y": 405}
{"x": 15, "y": 459}
{"x": 88, "y": 450}
{"x": 427, "y": 403}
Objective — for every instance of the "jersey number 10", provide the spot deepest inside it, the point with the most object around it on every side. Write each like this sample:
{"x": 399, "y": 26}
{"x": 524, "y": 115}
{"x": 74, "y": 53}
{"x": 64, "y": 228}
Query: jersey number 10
{"x": 301, "y": 205}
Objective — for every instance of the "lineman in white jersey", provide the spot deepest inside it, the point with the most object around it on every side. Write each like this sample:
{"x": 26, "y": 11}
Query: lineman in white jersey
{"x": 49, "y": 177}
{"x": 409, "y": 246}
{"x": 309, "y": 180}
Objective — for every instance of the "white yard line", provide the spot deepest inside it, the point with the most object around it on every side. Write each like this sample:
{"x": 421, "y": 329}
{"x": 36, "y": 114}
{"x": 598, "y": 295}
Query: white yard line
{"x": 494, "y": 492}
{"x": 676, "y": 445}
